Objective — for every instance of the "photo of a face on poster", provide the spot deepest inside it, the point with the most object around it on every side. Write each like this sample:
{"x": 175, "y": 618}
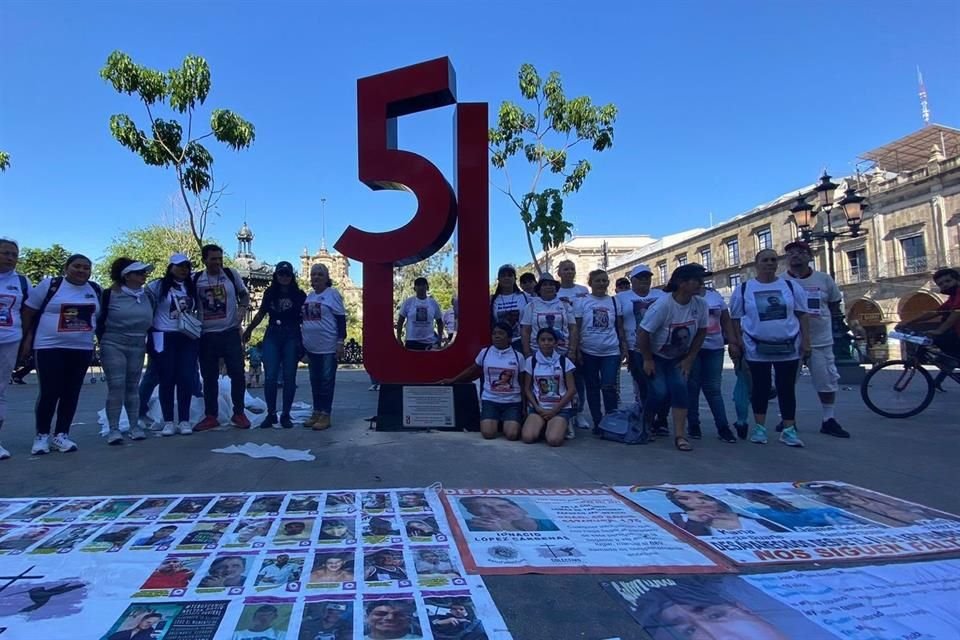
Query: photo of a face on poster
{"x": 280, "y": 570}
{"x": 174, "y": 572}
{"x": 308, "y": 504}
{"x": 263, "y": 621}
{"x": 294, "y": 531}
{"x": 112, "y": 509}
{"x": 225, "y": 571}
{"x": 188, "y": 508}
{"x": 376, "y": 501}
{"x": 453, "y": 617}
{"x": 413, "y": 501}
{"x": 70, "y": 511}
{"x": 337, "y": 529}
{"x": 265, "y": 505}
{"x": 327, "y": 620}
{"x": 341, "y": 502}
{"x": 34, "y": 510}
{"x": 331, "y": 566}
{"x": 384, "y": 564}
{"x": 205, "y": 534}
{"x": 159, "y": 535}
{"x": 196, "y": 620}
{"x": 877, "y": 507}
{"x": 421, "y": 527}
{"x": 248, "y": 533}
{"x": 68, "y": 538}
{"x": 496, "y": 513}
{"x": 24, "y": 538}
{"x": 113, "y": 538}
{"x": 150, "y": 508}
{"x": 385, "y": 619}
{"x": 227, "y": 506}
{"x": 434, "y": 561}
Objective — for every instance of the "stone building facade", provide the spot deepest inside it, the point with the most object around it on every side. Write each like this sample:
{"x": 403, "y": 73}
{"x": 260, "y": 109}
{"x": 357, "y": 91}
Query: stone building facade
{"x": 588, "y": 253}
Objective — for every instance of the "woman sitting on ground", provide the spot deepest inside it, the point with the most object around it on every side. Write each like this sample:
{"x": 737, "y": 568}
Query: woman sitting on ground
{"x": 549, "y": 388}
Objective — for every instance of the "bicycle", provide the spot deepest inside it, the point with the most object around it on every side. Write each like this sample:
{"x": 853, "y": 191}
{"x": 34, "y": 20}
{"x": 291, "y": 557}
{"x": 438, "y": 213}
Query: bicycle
{"x": 913, "y": 387}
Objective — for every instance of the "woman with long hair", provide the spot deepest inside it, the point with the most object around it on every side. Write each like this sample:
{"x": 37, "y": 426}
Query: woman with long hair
{"x": 61, "y": 340}
{"x": 17, "y": 289}
{"x": 508, "y": 302}
{"x": 324, "y": 331}
{"x": 549, "y": 389}
{"x": 283, "y": 301}
{"x": 173, "y": 348}
{"x": 602, "y": 345}
{"x": 127, "y": 309}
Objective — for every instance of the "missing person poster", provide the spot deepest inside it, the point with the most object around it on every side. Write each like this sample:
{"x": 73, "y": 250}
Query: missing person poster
{"x": 801, "y": 522}
{"x": 510, "y": 531}
{"x": 324, "y": 565}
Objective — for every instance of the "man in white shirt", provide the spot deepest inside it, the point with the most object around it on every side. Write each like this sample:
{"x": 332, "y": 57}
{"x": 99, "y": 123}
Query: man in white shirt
{"x": 823, "y": 300}
{"x": 282, "y": 571}
{"x": 421, "y": 314}
{"x": 261, "y": 626}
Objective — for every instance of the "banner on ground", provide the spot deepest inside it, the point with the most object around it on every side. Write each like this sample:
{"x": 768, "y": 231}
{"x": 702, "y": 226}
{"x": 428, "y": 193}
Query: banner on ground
{"x": 511, "y": 531}
{"x": 325, "y": 565}
{"x": 917, "y": 601}
{"x": 801, "y": 522}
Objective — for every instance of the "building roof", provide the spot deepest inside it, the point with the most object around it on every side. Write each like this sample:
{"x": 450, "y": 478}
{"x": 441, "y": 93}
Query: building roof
{"x": 914, "y": 151}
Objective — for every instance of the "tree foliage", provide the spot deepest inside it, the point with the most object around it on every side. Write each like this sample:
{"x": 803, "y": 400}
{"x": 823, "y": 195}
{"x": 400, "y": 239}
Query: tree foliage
{"x": 4, "y": 160}
{"x": 545, "y": 137}
{"x": 38, "y": 264}
{"x": 165, "y": 144}
{"x": 435, "y": 270}
{"x": 153, "y": 244}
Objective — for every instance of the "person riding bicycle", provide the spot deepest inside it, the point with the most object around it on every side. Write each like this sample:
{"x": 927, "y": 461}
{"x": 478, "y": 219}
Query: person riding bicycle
{"x": 945, "y": 335}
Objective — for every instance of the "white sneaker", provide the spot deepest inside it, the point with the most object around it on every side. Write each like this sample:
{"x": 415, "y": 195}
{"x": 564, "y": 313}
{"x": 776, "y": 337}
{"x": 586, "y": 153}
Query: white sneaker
{"x": 4, "y": 454}
{"x": 41, "y": 445}
{"x": 63, "y": 444}
{"x": 583, "y": 422}
{"x": 571, "y": 434}
{"x": 169, "y": 429}
{"x": 185, "y": 428}
{"x": 137, "y": 433}
{"x": 114, "y": 437}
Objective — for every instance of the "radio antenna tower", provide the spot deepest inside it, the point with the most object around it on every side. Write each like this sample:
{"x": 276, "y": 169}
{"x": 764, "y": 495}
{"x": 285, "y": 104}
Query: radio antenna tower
{"x": 924, "y": 107}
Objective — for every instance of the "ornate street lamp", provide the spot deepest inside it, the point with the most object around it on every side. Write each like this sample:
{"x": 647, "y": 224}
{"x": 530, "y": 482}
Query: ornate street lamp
{"x": 802, "y": 215}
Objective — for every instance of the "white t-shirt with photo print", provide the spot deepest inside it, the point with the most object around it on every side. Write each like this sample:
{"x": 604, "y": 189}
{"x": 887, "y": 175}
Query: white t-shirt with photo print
{"x": 319, "y": 328}
{"x": 70, "y": 319}
{"x": 672, "y": 326}
{"x": 218, "y": 301}
{"x": 821, "y": 292}
{"x": 507, "y": 308}
{"x": 571, "y": 294}
{"x": 421, "y": 316}
{"x": 553, "y": 314}
{"x": 716, "y": 305}
{"x": 168, "y": 310}
{"x": 598, "y": 334}
{"x": 11, "y": 306}
{"x": 500, "y": 374}
{"x": 768, "y": 311}
{"x": 634, "y": 307}
{"x": 548, "y": 379}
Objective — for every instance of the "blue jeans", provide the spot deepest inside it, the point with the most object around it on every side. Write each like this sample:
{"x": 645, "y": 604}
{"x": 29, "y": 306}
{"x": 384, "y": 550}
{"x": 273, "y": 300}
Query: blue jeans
{"x": 176, "y": 368}
{"x": 151, "y": 380}
{"x": 706, "y": 373}
{"x": 323, "y": 380}
{"x": 741, "y": 392}
{"x": 668, "y": 384}
{"x": 281, "y": 351}
{"x": 600, "y": 377}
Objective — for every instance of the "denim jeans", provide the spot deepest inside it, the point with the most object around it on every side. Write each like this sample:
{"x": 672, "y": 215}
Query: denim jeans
{"x": 600, "y": 377}
{"x": 281, "y": 351}
{"x": 323, "y": 380}
{"x": 667, "y": 383}
{"x": 741, "y": 392}
{"x": 224, "y": 344}
{"x": 176, "y": 367}
{"x": 706, "y": 374}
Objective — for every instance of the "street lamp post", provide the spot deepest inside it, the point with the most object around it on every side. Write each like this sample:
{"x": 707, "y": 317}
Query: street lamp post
{"x": 804, "y": 215}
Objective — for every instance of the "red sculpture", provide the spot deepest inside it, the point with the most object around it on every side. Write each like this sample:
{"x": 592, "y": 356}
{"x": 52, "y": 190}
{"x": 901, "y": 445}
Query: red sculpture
{"x": 381, "y": 99}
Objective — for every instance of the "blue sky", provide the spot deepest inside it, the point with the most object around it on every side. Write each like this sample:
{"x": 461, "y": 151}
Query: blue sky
{"x": 723, "y": 105}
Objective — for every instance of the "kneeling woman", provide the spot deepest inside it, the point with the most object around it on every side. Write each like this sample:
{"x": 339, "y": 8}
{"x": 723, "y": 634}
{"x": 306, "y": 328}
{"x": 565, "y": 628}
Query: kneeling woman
{"x": 549, "y": 388}
{"x": 499, "y": 365}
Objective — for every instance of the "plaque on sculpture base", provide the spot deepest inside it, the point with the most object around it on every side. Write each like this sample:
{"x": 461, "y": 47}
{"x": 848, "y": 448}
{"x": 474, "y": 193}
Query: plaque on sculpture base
{"x": 452, "y": 407}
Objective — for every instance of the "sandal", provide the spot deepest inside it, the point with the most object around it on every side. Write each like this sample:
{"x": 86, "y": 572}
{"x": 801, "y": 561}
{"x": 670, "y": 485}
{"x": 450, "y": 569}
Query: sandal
{"x": 682, "y": 444}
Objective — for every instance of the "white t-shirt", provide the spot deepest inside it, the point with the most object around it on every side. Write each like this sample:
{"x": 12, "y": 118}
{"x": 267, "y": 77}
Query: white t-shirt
{"x": 218, "y": 301}
{"x": 555, "y": 314}
{"x": 70, "y": 319}
{"x": 716, "y": 305}
{"x": 273, "y": 574}
{"x": 633, "y": 307}
{"x": 269, "y": 634}
{"x": 11, "y": 304}
{"x": 548, "y": 381}
{"x": 767, "y": 312}
{"x": 598, "y": 333}
{"x": 821, "y": 291}
{"x": 320, "y": 322}
{"x": 500, "y": 373}
{"x": 672, "y": 326}
{"x": 421, "y": 316}
{"x": 168, "y": 309}
{"x": 507, "y": 308}
{"x": 572, "y": 293}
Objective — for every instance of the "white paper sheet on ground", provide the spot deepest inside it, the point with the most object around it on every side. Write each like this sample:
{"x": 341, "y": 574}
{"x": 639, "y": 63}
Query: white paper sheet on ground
{"x": 269, "y": 451}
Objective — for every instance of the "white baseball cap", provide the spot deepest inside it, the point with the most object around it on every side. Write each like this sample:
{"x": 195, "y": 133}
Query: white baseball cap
{"x": 639, "y": 270}
{"x": 136, "y": 266}
{"x": 179, "y": 258}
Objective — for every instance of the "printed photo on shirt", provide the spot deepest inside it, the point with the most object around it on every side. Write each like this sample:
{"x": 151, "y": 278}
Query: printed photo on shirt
{"x": 177, "y": 305}
{"x": 312, "y": 311}
{"x": 263, "y": 622}
{"x": 421, "y": 315}
{"x": 713, "y": 320}
{"x": 553, "y": 321}
{"x": 678, "y": 340}
{"x": 214, "y": 301}
{"x": 6, "y": 310}
{"x": 813, "y": 299}
{"x": 76, "y": 318}
{"x": 511, "y": 317}
{"x": 501, "y": 380}
{"x": 640, "y": 309}
{"x": 601, "y": 318}
{"x": 770, "y": 305}
{"x": 548, "y": 386}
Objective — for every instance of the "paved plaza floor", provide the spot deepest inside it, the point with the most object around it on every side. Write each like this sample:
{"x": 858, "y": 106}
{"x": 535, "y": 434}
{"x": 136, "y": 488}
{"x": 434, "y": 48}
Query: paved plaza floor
{"x": 913, "y": 459}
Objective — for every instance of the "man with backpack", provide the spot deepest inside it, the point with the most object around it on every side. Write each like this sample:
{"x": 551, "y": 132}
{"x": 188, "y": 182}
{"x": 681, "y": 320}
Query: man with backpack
{"x": 223, "y": 300}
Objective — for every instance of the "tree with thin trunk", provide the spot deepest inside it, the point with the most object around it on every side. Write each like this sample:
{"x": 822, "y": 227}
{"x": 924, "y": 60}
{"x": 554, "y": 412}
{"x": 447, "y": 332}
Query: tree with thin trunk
{"x": 4, "y": 160}
{"x": 183, "y": 90}
{"x": 546, "y": 137}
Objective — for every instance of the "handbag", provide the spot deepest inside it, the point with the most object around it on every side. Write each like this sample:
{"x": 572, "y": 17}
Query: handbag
{"x": 189, "y": 324}
{"x": 786, "y": 347}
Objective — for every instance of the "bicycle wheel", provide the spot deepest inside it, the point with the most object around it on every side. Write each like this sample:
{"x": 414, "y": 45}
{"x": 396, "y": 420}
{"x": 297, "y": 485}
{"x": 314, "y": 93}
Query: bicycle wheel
{"x": 897, "y": 389}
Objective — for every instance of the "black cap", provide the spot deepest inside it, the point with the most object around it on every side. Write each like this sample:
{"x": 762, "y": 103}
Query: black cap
{"x": 284, "y": 266}
{"x": 686, "y": 272}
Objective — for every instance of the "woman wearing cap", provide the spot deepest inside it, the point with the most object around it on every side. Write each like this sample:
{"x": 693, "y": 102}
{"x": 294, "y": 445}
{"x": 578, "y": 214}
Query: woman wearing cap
{"x": 126, "y": 314}
{"x": 602, "y": 345}
{"x": 61, "y": 338}
{"x": 549, "y": 389}
{"x": 324, "y": 330}
{"x": 16, "y": 289}
{"x": 499, "y": 367}
{"x": 173, "y": 349}
{"x": 634, "y": 304}
{"x": 670, "y": 336}
{"x": 507, "y": 303}
{"x": 770, "y": 320}
{"x": 547, "y": 311}
{"x": 283, "y": 301}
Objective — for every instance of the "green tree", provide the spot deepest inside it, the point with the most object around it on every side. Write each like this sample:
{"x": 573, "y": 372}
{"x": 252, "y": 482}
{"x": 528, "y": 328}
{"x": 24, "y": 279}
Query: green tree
{"x": 435, "y": 269}
{"x": 546, "y": 137}
{"x": 38, "y": 264}
{"x": 183, "y": 90}
{"x": 153, "y": 244}
{"x": 4, "y": 160}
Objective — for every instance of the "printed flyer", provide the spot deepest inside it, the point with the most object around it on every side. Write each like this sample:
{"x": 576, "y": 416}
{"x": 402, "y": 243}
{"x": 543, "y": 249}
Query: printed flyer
{"x": 510, "y": 531}
{"x": 298, "y": 566}
{"x": 802, "y": 522}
